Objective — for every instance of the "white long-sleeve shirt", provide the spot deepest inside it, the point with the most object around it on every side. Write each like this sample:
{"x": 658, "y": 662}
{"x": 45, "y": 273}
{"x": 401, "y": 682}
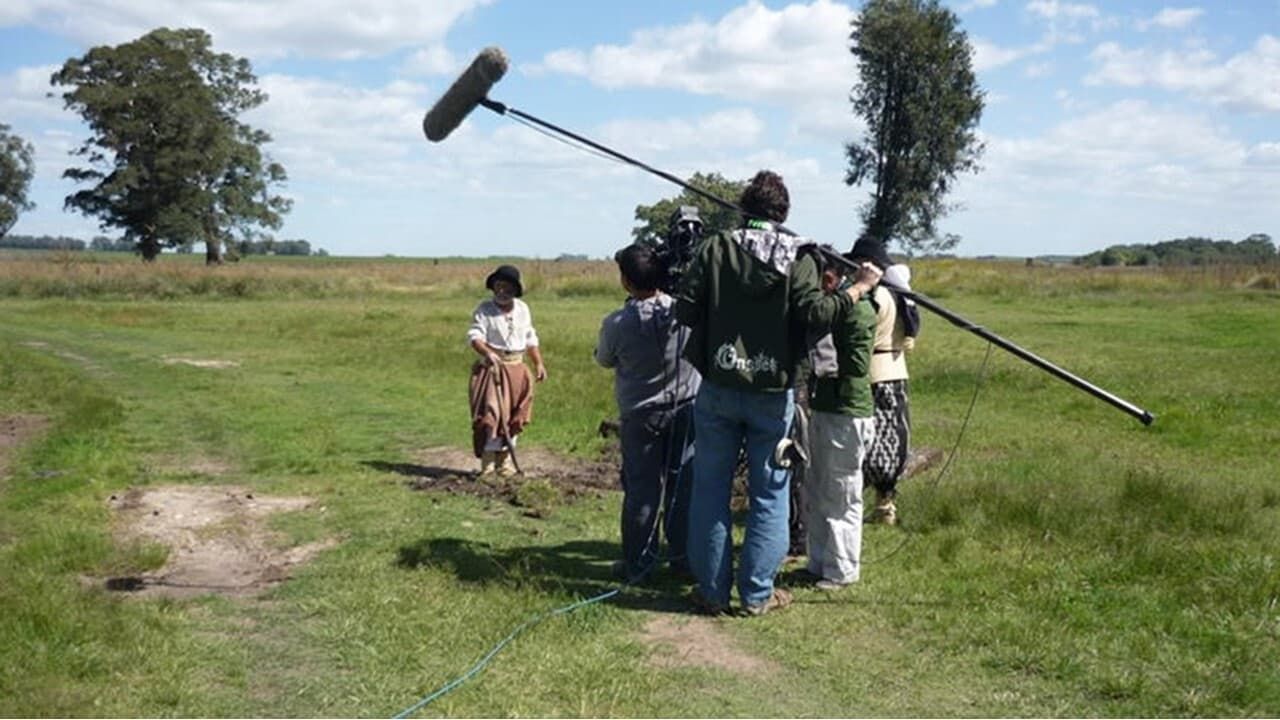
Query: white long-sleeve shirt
{"x": 506, "y": 331}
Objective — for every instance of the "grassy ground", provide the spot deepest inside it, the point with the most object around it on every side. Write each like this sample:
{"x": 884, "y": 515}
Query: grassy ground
{"x": 1069, "y": 563}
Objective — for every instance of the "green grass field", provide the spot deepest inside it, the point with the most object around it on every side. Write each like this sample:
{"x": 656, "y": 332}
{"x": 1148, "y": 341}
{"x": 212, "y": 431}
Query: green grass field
{"x": 1070, "y": 562}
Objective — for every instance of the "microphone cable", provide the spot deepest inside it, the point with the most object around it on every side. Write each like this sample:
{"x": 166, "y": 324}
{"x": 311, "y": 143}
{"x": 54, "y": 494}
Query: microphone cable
{"x": 908, "y": 538}
{"x": 661, "y": 512}
{"x": 575, "y": 145}
{"x": 453, "y": 684}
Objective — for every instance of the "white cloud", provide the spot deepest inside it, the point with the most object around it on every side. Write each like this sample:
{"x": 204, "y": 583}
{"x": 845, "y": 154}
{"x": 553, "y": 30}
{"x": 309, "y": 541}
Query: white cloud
{"x": 1129, "y": 149}
{"x": 975, "y": 5}
{"x": 1249, "y": 80}
{"x": 1067, "y": 21}
{"x": 434, "y": 60}
{"x": 1267, "y": 153}
{"x": 727, "y": 128}
{"x": 325, "y": 129}
{"x": 306, "y": 28}
{"x": 797, "y": 52}
{"x": 1069, "y": 12}
{"x": 23, "y": 95}
{"x": 1129, "y": 172}
{"x": 1038, "y": 70}
{"x": 1172, "y": 18}
{"x": 988, "y": 55}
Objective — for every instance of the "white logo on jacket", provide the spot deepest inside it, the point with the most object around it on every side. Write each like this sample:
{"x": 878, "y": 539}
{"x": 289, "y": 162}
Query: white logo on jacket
{"x": 727, "y": 359}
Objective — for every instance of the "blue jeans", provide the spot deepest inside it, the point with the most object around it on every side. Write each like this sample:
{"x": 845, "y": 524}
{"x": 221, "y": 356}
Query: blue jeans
{"x": 656, "y": 468}
{"x": 724, "y": 420}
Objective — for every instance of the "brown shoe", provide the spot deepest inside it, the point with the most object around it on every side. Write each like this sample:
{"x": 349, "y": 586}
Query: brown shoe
{"x": 488, "y": 463}
{"x": 778, "y": 600}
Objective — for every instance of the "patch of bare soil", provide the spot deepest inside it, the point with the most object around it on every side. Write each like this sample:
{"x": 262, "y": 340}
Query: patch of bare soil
{"x": 217, "y": 538}
{"x": 680, "y": 641}
{"x": 919, "y": 460}
{"x": 14, "y": 431}
{"x": 456, "y": 470}
{"x": 194, "y": 362}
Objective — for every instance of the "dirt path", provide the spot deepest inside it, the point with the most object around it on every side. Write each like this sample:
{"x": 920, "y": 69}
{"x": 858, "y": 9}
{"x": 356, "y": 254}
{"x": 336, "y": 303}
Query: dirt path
{"x": 679, "y": 641}
{"x": 217, "y": 538}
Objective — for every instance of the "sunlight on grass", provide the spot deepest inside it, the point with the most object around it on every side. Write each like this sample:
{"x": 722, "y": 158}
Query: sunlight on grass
{"x": 1069, "y": 562}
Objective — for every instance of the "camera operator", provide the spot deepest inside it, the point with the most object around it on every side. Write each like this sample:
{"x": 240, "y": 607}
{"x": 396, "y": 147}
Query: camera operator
{"x": 749, "y": 296}
{"x": 654, "y": 388}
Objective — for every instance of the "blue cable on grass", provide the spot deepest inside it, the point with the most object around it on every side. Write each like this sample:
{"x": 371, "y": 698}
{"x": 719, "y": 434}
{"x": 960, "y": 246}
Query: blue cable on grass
{"x": 451, "y": 685}
{"x": 653, "y": 561}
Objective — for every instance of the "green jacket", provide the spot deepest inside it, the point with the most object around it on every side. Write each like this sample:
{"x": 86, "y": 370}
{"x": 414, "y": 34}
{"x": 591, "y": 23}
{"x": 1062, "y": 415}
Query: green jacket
{"x": 849, "y": 391}
{"x": 748, "y": 296}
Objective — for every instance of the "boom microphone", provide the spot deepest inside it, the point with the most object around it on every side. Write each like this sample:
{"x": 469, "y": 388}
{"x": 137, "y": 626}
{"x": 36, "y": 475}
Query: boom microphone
{"x": 472, "y": 87}
{"x": 464, "y": 94}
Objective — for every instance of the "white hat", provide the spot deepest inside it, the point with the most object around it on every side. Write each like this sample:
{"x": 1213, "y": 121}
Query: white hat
{"x": 899, "y": 275}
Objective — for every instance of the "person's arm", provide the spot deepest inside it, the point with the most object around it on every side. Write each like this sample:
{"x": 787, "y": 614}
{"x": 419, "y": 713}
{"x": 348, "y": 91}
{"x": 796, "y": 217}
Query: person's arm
{"x": 539, "y": 370}
{"x": 813, "y": 307}
{"x": 861, "y": 329}
{"x": 476, "y": 339}
{"x": 819, "y": 309}
{"x": 483, "y": 350}
{"x": 606, "y": 352}
{"x": 864, "y": 281}
{"x": 531, "y": 347}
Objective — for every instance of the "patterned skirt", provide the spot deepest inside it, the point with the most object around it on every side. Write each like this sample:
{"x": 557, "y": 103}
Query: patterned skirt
{"x": 888, "y": 454}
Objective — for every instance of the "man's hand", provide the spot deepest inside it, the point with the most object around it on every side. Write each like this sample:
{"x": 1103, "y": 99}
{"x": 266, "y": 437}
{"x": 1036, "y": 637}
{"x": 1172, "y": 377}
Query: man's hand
{"x": 865, "y": 280}
{"x": 540, "y": 372}
{"x": 493, "y": 359}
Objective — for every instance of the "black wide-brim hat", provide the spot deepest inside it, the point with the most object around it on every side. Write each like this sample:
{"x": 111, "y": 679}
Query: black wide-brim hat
{"x": 873, "y": 250}
{"x": 510, "y": 273}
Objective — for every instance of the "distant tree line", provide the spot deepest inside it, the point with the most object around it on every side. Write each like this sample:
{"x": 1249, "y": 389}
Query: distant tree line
{"x": 40, "y": 242}
{"x": 274, "y": 247}
{"x": 1185, "y": 251}
{"x": 105, "y": 244}
{"x": 102, "y": 243}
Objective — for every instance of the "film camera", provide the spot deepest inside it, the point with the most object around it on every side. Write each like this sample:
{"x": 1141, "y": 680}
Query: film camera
{"x": 676, "y": 250}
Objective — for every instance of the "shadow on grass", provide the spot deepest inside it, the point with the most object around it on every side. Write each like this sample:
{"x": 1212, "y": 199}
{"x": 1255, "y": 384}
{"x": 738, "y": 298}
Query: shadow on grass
{"x": 580, "y": 568}
{"x": 410, "y": 470}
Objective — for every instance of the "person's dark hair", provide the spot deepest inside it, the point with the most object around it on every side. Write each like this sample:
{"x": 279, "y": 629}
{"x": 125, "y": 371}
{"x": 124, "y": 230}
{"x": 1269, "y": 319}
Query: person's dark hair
{"x": 640, "y": 266}
{"x": 766, "y": 197}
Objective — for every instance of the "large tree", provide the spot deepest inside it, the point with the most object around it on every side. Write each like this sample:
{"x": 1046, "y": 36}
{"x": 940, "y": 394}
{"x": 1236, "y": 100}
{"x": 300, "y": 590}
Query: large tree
{"x": 653, "y": 221}
{"x": 921, "y": 103}
{"x": 169, "y": 160}
{"x": 16, "y": 170}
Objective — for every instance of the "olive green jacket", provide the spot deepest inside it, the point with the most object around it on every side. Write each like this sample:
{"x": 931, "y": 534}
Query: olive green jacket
{"x": 749, "y": 296}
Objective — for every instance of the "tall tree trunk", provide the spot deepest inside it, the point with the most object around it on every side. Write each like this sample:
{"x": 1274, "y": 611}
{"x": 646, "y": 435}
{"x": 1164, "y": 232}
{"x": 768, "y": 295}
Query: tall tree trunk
{"x": 149, "y": 247}
{"x": 212, "y": 251}
{"x": 212, "y": 244}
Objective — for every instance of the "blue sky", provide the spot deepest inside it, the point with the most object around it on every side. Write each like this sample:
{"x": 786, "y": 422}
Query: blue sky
{"x": 1105, "y": 123}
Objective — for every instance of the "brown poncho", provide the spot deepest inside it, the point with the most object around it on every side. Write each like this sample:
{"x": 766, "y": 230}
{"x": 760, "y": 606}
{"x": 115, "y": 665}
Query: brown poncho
{"x": 501, "y": 402}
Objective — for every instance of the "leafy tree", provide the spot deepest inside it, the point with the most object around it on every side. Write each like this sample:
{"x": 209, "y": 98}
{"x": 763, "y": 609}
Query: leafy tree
{"x": 921, "y": 103}
{"x": 16, "y": 170}
{"x": 1185, "y": 251}
{"x": 653, "y": 221}
{"x": 169, "y": 160}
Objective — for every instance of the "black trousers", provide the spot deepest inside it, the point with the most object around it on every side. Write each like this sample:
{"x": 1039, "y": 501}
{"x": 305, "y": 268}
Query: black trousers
{"x": 657, "y": 471}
